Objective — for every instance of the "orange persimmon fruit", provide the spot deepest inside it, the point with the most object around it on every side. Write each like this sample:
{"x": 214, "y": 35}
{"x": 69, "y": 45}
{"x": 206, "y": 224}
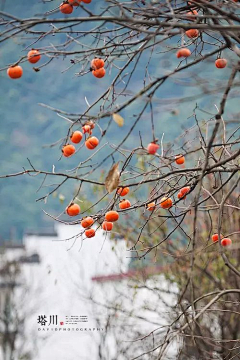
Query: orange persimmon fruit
{"x": 123, "y": 191}
{"x": 76, "y": 137}
{"x": 151, "y": 206}
{"x": 33, "y": 56}
{"x": 185, "y": 190}
{"x": 192, "y": 33}
{"x": 86, "y": 129}
{"x": 107, "y": 225}
{"x": 226, "y": 242}
{"x": 99, "y": 73}
{"x": 181, "y": 196}
{"x": 183, "y": 53}
{"x": 15, "y": 72}
{"x": 111, "y": 216}
{"x": 179, "y": 159}
{"x": 166, "y": 203}
{"x": 91, "y": 142}
{"x": 97, "y": 63}
{"x": 90, "y": 233}
{"x": 221, "y": 63}
{"x": 152, "y": 148}
{"x": 124, "y": 204}
{"x": 191, "y": 15}
{"x": 66, "y": 8}
{"x": 73, "y": 210}
{"x": 215, "y": 237}
{"x": 68, "y": 150}
{"x": 87, "y": 221}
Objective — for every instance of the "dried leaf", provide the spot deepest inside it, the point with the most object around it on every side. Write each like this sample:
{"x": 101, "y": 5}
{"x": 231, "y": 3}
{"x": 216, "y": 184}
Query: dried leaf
{"x": 54, "y": 194}
{"x": 61, "y": 198}
{"x": 112, "y": 179}
{"x": 118, "y": 119}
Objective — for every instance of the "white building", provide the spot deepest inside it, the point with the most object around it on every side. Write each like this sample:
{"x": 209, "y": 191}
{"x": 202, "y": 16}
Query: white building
{"x": 65, "y": 283}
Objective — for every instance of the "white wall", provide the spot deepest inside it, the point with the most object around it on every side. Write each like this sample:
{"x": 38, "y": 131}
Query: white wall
{"x": 61, "y": 285}
{"x": 62, "y": 280}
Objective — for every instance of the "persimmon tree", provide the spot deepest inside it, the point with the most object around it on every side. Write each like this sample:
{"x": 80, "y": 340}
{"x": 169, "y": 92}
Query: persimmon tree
{"x": 183, "y": 189}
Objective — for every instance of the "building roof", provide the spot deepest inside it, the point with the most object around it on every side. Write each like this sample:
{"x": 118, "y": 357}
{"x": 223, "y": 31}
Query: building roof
{"x": 41, "y": 232}
{"x": 9, "y": 245}
{"x": 144, "y": 272}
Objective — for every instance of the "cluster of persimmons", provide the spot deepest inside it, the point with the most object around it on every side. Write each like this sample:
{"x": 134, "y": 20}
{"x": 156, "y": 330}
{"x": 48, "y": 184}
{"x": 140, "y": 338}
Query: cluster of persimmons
{"x": 91, "y": 142}
{"x": 97, "y": 67}
{"x": 224, "y": 241}
{"x": 111, "y": 216}
{"x": 16, "y": 71}
{"x": 107, "y": 225}
{"x": 97, "y": 64}
{"x": 193, "y": 34}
